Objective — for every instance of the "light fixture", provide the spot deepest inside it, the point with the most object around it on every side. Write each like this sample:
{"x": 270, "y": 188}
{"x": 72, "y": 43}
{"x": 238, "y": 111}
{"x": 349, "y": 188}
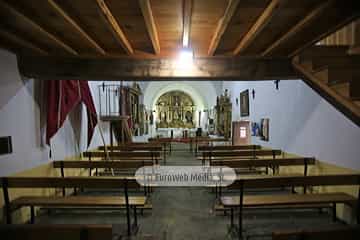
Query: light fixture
{"x": 185, "y": 58}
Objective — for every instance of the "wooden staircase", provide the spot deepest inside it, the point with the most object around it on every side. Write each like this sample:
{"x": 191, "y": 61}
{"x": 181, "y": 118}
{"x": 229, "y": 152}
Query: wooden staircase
{"x": 335, "y": 75}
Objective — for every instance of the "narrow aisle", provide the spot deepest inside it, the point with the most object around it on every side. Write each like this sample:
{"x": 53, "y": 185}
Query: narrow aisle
{"x": 183, "y": 212}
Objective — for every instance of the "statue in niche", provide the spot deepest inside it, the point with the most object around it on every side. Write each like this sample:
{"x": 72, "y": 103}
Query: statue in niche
{"x": 163, "y": 116}
{"x": 176, "y": 115}
{"x": 188, "y": 117}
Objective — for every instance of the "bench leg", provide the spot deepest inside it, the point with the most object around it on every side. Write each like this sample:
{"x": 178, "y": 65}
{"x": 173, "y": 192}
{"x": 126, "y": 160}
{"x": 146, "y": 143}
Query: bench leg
{"x": 135, "y": 217}
{"x": 334, "y": 212}
{"x": 32, "y": 215}
{"x": 232, "y": 217}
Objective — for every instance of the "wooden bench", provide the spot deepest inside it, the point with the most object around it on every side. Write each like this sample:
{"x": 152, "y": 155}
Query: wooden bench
{"x": 56, "y": 232}
{"x": 72, "y": 201}
{"x": 62, "y": 165}
{"x": 137, "y": 155}
{"x": 333, "y": 233}
{"x": 241, "y": 154}
{"x": 151, "y": 147}
{"x": 205, "y": 140}
{"x": 229, "y": 148}
{"x": 264, "y": 162}
{"x": 244, "y": 201}
{"x": 165, "y": 142}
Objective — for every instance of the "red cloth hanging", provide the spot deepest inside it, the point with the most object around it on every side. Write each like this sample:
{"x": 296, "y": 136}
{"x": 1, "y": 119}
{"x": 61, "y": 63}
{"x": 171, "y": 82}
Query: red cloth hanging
{"x": 62, "y": 97}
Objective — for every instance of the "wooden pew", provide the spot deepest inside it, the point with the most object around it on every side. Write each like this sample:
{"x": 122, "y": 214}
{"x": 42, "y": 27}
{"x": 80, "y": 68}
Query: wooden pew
{"x": 165, "y": 142}
{"x": 266, "y": 162}
{"x": 231, "y": 155}
{"x": 141, "y": 155}
{"x": 72, "y": 201}
{"x": 62, "y": 165}
{"x": 228, "y": 148}
{"x": 205, "y": 140}
{"x": 56, "y": 232}
{"x": 151, "y": 147}
{"x": 333, "y": 233}
{"x": 243, "y": 201}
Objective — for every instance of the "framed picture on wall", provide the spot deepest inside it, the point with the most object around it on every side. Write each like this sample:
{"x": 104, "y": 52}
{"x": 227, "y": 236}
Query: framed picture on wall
{"x": 244, "y": 103}
{"x": 265, "y": 129}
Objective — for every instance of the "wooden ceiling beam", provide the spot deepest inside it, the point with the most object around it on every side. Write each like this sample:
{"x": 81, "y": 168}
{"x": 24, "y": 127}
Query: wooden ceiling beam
{"x": 114, "y": 26}
{"x": 222, "y": 25}
{"x": 259, "y": 25}
{"x": 13, "y": 38}
{"x": 150, "y": 24}
{"x": 212, "y": 69}
{"x": 29, "y": 21}
{"x": 75, "y": 25}
{"x": 187, "y": 13}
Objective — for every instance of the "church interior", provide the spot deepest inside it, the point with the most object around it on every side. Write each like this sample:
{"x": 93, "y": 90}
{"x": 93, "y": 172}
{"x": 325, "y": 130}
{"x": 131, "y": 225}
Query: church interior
{"x": 179, "y": 119}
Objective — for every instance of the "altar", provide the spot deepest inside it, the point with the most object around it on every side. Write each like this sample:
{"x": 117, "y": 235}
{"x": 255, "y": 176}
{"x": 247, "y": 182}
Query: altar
{"x": 175, "y": 110}
{"x": 177, "y": 132}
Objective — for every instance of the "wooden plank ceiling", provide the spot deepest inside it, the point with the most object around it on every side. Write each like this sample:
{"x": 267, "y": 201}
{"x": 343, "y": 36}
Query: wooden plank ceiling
{"x": 144, "y": 29}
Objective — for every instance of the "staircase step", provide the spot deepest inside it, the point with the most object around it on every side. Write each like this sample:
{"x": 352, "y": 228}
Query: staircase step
{"x": 323, "y": 51}
{"x": 336, "y": 75}
{"x": 319, "y": 63}
{"x": 343, "y": 89}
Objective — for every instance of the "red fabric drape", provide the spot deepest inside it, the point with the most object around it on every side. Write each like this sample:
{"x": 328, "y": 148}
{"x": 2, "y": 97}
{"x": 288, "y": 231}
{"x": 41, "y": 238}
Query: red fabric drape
{"x": 62, "y": 97}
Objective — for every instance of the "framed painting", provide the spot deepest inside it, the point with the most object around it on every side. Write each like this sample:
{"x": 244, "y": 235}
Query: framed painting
{"x": 265, "y": 129}
{"x": 244, "y": 103}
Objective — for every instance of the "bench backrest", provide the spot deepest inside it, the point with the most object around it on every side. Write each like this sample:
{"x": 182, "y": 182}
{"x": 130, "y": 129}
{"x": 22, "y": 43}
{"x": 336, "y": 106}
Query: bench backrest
{"x": 229, "y": 148}
{"x": 160, "y": 140}
{"x": 244, "y": 153}
{"x": 335, "y": 233}
{"x": 114, "y": 155}
{"x": 151, "y": 148}
{"x": 265, "y": 162}
{"x": 102, "y": 164}
{"x": 68, "y": 182}
{"x": 55, "y": 232}
{"x": 289, "y": 181}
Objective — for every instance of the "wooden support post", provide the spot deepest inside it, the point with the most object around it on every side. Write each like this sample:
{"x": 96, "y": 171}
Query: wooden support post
{"x": 334, "y": 212}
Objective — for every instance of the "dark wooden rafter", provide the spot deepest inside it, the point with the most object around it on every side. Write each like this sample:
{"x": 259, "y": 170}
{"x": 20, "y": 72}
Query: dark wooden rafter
{"x": 323, "y": 11}
{"x": 259, "y": 25}
{"x": 114, "y": 26}
{"x": 222, "y": 26}
{"x": 29, "y": 21}
{"x": 75, "y": 25}
{"x": 16, "y": 40}
{"x": 150, "y": 24}
{"x": 156, "y": 69}
{"x": 187, "y": 13}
